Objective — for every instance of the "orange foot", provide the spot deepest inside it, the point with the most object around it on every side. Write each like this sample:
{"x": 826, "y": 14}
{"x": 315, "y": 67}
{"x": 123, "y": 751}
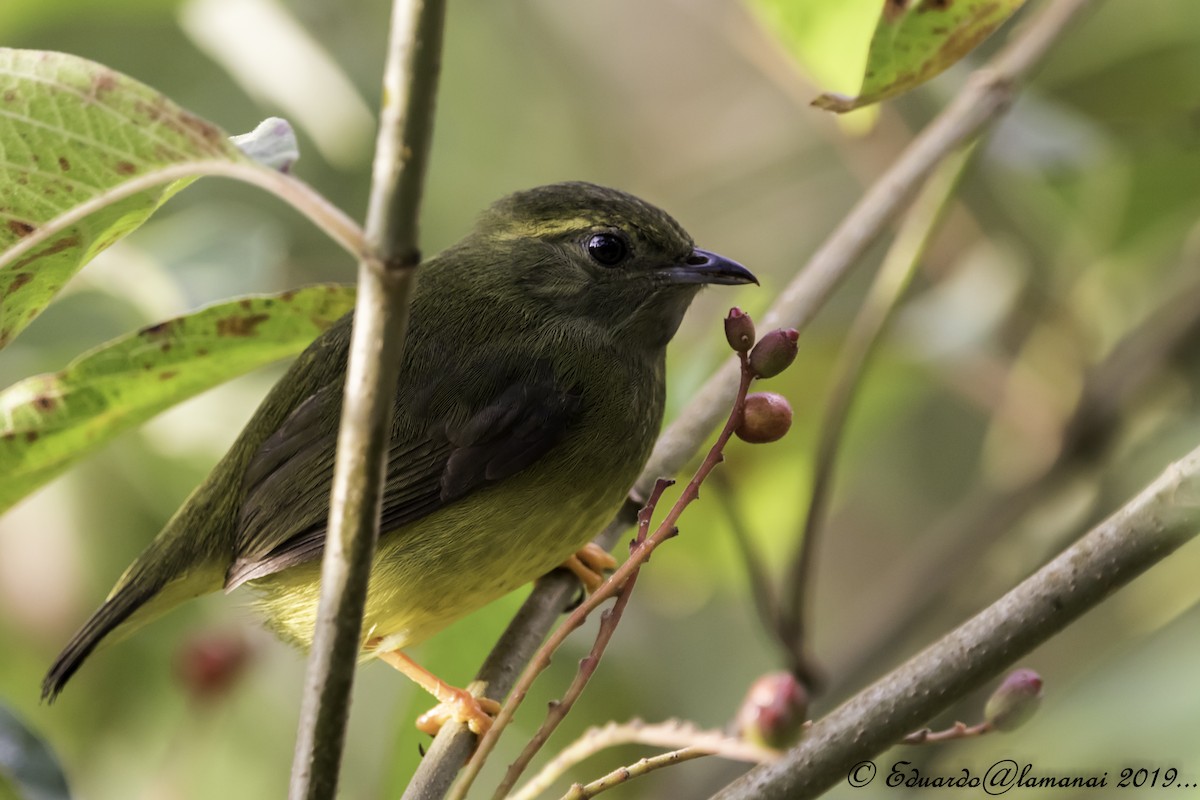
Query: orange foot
{"x": 477, "y": 713}
{"x": 589, "y": 565}
{"x": 453, "y": 703}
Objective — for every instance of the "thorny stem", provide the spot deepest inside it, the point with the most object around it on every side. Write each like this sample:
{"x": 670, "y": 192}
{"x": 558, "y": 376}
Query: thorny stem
{"x": 665, "y": 530}
{"x": 609, "y": 618}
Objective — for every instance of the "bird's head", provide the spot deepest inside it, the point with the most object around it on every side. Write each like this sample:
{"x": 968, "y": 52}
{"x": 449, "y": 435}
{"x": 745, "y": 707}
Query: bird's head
{"x": 600, "y": 255}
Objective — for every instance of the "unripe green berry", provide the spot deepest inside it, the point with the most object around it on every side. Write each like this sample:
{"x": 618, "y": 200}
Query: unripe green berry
{"x": 739, "y": 330}
{"x": 1014, "y": 701}
{"x": 766, "y": 418}
{"x": 774, "y": 352}
{"x": 774, "y": 711}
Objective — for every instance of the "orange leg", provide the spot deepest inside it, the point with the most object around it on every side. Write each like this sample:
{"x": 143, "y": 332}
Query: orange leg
{"x": 589, "y": 565}
{"x": 453, "y": 703}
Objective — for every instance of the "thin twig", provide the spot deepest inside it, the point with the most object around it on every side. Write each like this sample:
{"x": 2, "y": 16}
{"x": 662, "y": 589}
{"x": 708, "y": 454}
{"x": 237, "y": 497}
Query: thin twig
{"x": 672, "y": 734}
{"x": 293, "y": 191}
{"x": 665, "y": 530}
{"x": 894, "y": 276}
{"x": 641, "y": 767}
{"x": 1141, "y": 533}
{"x": 380, "y": 322}
{"x": 609, "y": 618}
{"x": 959, "y": 730}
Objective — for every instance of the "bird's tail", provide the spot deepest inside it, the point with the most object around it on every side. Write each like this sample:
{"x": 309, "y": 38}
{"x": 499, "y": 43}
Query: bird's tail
{"x": 189, "y": 557}
{"x": 179, "y": 564}
{"x": 116, "y": 609}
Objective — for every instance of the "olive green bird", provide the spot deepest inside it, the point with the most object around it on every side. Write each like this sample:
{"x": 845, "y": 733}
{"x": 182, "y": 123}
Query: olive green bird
{"x": 530, "y": 394}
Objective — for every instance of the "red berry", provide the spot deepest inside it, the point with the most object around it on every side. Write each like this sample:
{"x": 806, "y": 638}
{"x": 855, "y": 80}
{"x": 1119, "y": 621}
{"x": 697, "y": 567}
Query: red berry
{"x": 774, "y": 711}
{"x": 766, "y": 418}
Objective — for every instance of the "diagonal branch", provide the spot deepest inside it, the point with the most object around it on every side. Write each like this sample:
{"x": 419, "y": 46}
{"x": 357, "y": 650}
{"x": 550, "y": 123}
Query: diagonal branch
{"x": 988, "y": 93}
{"x": 380, "y": 322}
{"x": 985, "y": 515}
{"x": 1140, "y": 534}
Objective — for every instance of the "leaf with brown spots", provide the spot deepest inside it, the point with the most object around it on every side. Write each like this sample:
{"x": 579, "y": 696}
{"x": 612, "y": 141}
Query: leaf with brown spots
{"x": 47, "y": 422}
{"x": 240, "y": 324}
{"x": 915, "y": 40}
{"x": 74, "y": 136}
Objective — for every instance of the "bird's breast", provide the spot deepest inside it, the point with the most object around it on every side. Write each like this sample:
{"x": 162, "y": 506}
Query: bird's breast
{"x": 430, "y": 572}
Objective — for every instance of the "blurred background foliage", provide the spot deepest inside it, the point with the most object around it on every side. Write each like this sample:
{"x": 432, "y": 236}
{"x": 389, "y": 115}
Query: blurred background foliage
{"x": 1044, "y": 366}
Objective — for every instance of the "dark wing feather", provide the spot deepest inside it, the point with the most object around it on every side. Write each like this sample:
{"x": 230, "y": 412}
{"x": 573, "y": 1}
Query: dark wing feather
{"x": 506, "y": 436}
{"x": 432, "y": 462}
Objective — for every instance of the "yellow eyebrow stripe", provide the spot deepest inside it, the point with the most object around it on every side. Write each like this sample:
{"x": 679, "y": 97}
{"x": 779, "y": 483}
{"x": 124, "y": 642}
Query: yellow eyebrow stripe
{"x": 537, "y": 230}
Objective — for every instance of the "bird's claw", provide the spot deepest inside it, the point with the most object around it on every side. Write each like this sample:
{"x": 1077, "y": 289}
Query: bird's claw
{"x": 590, "y": 564}
{"x": 477, "y": 713}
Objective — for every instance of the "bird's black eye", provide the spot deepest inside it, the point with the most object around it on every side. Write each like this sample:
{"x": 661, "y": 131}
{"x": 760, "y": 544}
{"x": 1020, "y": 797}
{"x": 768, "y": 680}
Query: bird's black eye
{"x": 607, "y": 249}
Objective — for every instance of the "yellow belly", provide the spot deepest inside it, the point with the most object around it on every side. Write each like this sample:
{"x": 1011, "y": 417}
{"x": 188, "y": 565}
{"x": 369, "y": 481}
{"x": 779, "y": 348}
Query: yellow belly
{"x": 430, "y": 573}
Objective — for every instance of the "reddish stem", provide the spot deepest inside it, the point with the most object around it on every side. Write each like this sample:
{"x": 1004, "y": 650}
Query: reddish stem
{"x": 641, "y": 549}
{"x": 558, "y": 711}
{"x": 959, "y": 730}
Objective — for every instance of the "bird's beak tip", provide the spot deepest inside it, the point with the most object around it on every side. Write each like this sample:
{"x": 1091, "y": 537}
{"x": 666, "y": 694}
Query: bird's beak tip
{"x": 705, "y": 266}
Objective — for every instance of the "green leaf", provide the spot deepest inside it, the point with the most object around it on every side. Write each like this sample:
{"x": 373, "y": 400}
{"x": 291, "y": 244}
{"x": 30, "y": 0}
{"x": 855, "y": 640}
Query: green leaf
{"x": 49, "y": 421}
{"x": 820, "y": 36}
{"x": 915, "y": 40}
{"x": 84, "y": 160}
{"x": 28, "y": 769}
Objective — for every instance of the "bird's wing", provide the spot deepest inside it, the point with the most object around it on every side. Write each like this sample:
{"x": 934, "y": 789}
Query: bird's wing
{"x": 440, "y": 453}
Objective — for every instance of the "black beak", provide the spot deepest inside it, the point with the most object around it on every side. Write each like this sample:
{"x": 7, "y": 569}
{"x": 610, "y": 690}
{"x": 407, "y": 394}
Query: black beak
{"x": 703, "y": 266}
